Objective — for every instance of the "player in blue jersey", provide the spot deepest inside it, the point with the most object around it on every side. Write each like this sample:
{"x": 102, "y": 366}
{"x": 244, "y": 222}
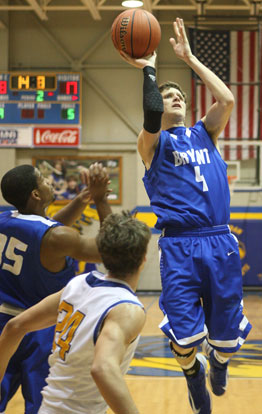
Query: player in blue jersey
{"x": 37, "y": 259}
{"x": 186, "y": 181}
{"x": 93, "y": 343}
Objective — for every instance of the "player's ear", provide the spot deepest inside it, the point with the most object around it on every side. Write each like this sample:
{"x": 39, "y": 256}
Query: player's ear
{"x": 143, "y": 263}
{"x": 35, "y": 194}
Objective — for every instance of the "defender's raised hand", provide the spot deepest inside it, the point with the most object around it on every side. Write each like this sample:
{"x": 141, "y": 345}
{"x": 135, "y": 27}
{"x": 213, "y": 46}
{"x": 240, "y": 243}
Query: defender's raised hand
{"x": 98, "y": 181}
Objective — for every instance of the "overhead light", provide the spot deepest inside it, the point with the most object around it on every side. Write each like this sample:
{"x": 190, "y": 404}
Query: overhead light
{"x": 131, "y": 3}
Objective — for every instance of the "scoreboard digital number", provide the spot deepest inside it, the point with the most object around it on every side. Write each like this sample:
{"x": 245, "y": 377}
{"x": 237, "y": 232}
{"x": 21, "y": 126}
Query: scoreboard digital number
{"x": 40, "y": 98}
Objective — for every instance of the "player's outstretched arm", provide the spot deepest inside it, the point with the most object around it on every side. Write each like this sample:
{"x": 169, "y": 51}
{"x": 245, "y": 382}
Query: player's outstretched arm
{"x": 110, "y": 348}
{"x": 218, "y": 114}
{"x": 96, "y": 183}
{"x": 152, "y": 106}
{"x": 98, "y": 188}
{"x": 62, "y": 241}
{"x": 40, "y": 316}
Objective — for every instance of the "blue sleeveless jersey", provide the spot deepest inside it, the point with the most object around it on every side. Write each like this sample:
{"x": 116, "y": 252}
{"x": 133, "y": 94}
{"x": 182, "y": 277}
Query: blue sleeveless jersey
{"x": 23, "y": 280}
{"x": 187, "y": 182}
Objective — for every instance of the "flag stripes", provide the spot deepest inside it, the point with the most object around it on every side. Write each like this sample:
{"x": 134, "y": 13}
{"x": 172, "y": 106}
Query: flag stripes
{"x": 234, "y": 56}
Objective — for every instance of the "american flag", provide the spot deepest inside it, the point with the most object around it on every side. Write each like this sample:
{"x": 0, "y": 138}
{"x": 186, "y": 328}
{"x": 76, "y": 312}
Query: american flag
{"x": 233, "y": 56}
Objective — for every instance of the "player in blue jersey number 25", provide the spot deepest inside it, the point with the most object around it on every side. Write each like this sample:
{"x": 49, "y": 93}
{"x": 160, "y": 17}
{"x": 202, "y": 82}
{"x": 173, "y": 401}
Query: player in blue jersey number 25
{"x": 186, "y": 181}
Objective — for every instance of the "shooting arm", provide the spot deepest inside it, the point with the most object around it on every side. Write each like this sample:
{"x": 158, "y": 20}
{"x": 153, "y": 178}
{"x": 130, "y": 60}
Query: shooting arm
{"x": 152, "y": 106}
{"x": 153, "y": 109}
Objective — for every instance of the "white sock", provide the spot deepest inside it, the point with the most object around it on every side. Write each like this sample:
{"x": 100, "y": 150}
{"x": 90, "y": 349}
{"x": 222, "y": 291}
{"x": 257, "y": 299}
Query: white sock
{"x": 220, "y": 358}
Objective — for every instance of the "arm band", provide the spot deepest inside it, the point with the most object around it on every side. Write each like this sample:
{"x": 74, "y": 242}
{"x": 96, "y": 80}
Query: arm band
{"x": 152, "y": 101}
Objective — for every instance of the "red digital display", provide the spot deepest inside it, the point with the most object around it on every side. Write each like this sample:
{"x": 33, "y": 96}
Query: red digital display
{"x": 40, "y": 113}
{"x": 68, "y": 88}
{"x": 27, "y": 113}
{"x": 3, "y": 87}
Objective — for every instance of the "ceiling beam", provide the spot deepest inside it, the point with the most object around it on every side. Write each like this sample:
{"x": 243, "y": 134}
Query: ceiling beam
{"x": 41, "y": 8}
{"x": 90, "y": 4}
{"x": 37, "y": 9}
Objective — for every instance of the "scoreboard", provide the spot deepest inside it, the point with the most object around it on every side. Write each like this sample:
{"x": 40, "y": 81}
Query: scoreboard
{"x": 40, "y": 98}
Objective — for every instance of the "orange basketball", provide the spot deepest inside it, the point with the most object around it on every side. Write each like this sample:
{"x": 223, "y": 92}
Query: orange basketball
{"x": 136, "y": 32}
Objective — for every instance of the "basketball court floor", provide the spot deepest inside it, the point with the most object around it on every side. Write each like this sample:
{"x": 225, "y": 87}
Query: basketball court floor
{"x": 157, "y": 384}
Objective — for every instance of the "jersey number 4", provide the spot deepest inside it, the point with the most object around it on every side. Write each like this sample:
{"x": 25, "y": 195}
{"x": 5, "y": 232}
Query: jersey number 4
{"x": 200, "y": 178}
{"x": 66, "y": 328}
{"x": 11, "y": 246}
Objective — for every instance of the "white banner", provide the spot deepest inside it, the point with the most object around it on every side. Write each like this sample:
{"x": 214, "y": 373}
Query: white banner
{"x": 16, "y": 136}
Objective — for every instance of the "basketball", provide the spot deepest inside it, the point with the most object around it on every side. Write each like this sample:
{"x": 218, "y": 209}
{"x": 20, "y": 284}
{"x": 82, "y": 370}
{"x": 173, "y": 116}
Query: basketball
{"x": 136, "y": 32}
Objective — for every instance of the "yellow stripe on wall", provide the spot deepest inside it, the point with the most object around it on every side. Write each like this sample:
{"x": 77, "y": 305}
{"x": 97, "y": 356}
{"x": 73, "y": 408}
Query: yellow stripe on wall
{"x": 243, "y": 216}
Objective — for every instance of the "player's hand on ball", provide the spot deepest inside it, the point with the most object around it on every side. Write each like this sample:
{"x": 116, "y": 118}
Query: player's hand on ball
{"x": 141, "y": 62}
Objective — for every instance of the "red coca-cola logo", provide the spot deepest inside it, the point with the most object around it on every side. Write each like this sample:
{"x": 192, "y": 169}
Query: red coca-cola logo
{"x": 56, "y": 137}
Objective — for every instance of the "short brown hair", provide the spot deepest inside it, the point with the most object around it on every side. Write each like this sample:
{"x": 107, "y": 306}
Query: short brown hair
{"x": 122, "y": 242}
{"x": 170, "y": 84}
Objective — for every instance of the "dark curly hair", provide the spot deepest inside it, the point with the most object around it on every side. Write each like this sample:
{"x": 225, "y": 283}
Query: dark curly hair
{"x": 122, "y": 242}
{"x": 17, "y": 185}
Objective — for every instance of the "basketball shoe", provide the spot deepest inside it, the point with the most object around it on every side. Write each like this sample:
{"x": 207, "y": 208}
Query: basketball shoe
{"x": 199, "y": 397}
{"x": 218, "y": 373}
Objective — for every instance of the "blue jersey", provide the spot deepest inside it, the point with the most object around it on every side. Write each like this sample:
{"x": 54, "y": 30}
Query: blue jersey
{"x": 23, "y": 280}
{"x": 187, "y": 180}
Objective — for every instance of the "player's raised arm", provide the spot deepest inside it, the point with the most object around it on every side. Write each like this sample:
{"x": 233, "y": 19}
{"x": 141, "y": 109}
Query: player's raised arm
{"x": 96, "y": 181}
{"x": 152, "y": 106}
{"x": 218, "y": 114}
{"x": 136, "y": 35}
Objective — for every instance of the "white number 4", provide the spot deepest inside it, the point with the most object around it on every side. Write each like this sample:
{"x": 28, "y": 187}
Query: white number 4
{"x": 10, "y": 254}
{"x": 200, "y": 178}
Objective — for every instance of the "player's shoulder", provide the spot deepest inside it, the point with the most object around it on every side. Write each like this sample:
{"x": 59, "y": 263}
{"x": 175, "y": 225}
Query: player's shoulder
{"x": 60, "y": 235}
{"x": 199, "y": 130}
{"x": 131, "y": 312}
{"x": 134, "y": 312}
{"x": 5, "y": 214}
{"x": 198, "y": 126}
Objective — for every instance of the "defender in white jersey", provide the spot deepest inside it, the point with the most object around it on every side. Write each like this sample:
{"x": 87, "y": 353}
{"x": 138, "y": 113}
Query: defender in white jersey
{"x": 97, "y": 328}
{"x": 186, "y": 181}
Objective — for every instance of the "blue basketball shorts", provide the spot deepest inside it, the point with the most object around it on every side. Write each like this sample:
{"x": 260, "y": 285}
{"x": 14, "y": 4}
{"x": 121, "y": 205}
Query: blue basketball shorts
{"x": 28, "y": 367}
{"x": 202, "y": 288}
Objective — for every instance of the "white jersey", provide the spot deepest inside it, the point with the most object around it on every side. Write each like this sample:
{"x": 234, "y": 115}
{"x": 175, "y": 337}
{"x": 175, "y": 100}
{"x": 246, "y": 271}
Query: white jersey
{"x": 85, "y": 302}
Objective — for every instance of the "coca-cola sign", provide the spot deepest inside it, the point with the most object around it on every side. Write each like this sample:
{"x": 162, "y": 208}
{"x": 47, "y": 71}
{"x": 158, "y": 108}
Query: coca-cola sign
{"x": 56, "y": 137}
